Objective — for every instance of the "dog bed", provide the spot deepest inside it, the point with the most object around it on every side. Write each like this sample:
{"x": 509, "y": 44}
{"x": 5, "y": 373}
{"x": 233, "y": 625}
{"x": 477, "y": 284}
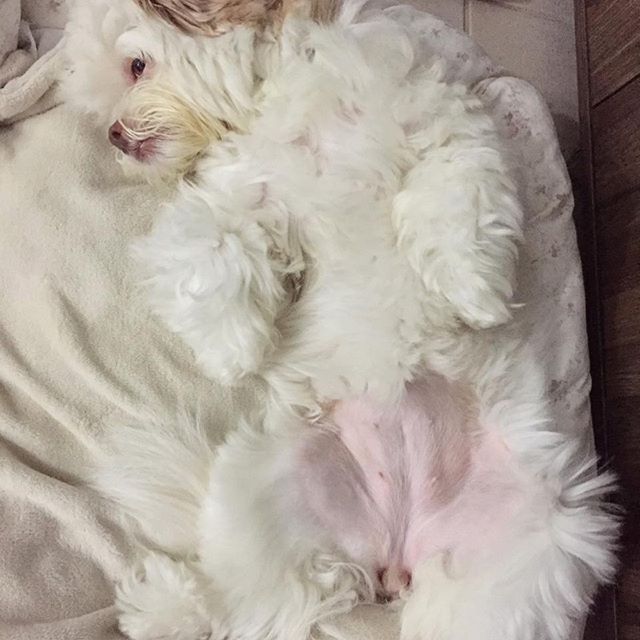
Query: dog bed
{"x": 80, "y": 353}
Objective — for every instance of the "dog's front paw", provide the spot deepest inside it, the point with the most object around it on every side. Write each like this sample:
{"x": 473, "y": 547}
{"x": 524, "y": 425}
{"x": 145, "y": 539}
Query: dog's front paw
{"x": 475, "y": 300}
{"x": 480, "y": 302}
{"x": 165, "y": 599}
{"x": 216, "y": 288}
{"x": 237, "y": 349}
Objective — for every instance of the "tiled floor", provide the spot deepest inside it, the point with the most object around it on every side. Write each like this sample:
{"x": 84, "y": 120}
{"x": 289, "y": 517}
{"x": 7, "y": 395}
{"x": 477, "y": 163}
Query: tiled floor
{"x": 533, "y": 39}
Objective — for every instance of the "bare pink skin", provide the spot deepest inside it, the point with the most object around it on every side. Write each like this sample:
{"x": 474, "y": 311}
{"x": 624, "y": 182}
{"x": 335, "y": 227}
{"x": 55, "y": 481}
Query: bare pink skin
{"x": 397, "y": 486}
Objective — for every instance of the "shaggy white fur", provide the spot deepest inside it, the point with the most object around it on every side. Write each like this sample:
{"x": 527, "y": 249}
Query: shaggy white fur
{"x": 344, "y": 223}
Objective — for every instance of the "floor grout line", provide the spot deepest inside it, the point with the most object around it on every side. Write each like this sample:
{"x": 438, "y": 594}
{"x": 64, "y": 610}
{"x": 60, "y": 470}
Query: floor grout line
{"x": 622, "y": 87}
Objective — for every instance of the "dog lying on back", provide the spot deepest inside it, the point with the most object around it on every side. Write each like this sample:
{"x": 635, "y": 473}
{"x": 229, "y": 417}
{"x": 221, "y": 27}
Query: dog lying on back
{"x": 345, "y": 227}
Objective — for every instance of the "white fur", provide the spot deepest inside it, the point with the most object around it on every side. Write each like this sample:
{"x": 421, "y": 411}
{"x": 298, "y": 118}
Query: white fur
{"x": 387, "y": 192}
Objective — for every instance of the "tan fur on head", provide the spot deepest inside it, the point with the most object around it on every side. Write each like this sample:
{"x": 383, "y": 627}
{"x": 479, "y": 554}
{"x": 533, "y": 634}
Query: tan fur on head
{"x": 213, "y": 17}
{"x": 208, "y": 17}
{"x": 318, "y": 10}
{"x": 324, "y": 10}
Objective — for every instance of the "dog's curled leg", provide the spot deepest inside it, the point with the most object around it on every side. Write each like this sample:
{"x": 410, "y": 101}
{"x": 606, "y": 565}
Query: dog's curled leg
{"x": 168, "y": 599}
{"x": 538, "y": 582}
{"x": 216, "y": 280}
{"x": 458, "y": 218}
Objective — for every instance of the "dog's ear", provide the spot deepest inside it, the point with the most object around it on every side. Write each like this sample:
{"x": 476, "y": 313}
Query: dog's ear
{"x": 210, "y": 17}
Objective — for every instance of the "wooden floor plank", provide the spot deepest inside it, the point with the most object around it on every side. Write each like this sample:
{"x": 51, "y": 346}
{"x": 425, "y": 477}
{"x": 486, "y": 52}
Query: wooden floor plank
{"x": 624, "y": 413}
{"x": 622, "y": 374}
{"x": 614, "y": 45}
{"x": 618, "y": 230}
{"x": 620, "y": 317}
{"x": 616, "y": 144}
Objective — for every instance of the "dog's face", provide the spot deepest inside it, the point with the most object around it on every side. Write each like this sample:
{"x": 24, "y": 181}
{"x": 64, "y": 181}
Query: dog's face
{"x": 163, "y": 95}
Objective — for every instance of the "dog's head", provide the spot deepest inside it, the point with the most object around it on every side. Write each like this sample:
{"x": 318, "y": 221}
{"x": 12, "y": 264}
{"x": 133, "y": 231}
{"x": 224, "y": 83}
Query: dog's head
{"x": 167, "y": 78}
{"x": 163, "y": 95}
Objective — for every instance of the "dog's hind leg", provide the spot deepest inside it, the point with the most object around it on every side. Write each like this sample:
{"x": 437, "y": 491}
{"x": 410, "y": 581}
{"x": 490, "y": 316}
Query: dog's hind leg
{"x": 537, "y": 582}
{"x": 168, "y": 599}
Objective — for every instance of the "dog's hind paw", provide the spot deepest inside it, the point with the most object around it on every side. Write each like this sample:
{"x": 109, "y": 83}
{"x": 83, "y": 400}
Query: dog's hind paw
{"x": 166, "y": 599}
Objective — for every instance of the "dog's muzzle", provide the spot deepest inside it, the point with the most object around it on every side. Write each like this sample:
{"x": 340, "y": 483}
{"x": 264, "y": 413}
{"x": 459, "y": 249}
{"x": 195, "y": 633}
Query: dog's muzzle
{"x": 139, "y": 149}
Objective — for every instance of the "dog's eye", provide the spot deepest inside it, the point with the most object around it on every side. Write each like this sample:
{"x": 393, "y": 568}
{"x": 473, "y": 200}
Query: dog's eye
{"x": 137, "y": 67}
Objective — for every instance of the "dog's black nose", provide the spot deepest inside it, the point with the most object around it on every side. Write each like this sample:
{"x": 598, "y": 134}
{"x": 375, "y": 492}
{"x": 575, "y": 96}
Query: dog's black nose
{"x": 118, "y": 137}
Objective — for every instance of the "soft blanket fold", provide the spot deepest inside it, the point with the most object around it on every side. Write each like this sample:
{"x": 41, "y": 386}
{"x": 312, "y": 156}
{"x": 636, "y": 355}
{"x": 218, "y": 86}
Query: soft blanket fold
{"x": 30, "y": 56}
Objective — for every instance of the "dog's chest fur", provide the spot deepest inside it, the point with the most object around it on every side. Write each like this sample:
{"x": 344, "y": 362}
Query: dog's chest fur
{"x": 318, "y": 174}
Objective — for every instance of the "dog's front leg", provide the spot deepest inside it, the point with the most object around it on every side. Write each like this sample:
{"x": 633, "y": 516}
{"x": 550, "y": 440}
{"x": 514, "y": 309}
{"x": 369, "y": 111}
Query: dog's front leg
{"x": 216, "y": 280}
{"x": 458, "y": 226}
{"x": 457, "y": 217}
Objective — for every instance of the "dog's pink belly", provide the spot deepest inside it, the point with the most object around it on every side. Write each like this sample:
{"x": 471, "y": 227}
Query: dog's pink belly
{"x": 396, "y": 486}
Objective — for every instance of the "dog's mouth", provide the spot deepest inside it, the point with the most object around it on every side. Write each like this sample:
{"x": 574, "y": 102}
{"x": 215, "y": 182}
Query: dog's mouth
{"x": 141, "y": 150}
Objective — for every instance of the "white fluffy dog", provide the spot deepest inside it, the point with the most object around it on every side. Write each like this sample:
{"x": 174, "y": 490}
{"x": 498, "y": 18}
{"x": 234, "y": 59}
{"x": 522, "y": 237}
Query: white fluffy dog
{"x": 346, "y": 228}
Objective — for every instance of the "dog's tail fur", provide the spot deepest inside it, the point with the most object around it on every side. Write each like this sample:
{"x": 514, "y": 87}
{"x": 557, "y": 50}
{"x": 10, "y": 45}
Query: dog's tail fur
{"x": 564, "y": 547}
{"x": 158, "y": 476}
{"x": 583, "y": 531}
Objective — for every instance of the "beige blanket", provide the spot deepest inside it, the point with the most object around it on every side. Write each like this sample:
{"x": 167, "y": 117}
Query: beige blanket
{"x": 30, "y": 56}
{"x": 79, "y": 352}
